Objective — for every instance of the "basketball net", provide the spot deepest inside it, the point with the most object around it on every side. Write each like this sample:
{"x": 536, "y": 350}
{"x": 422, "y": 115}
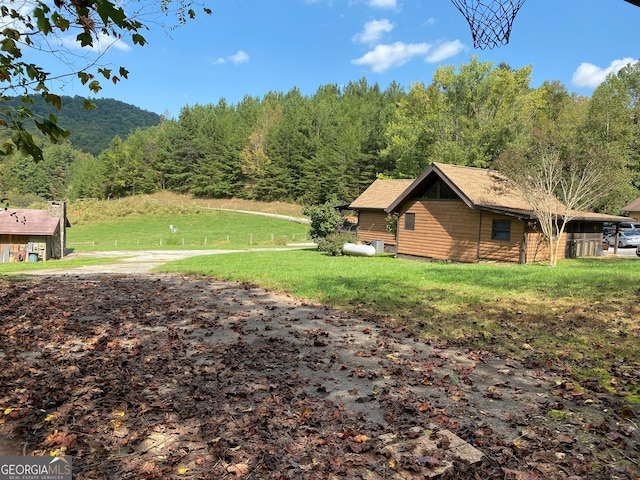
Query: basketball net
{"x": 490, "y": 20}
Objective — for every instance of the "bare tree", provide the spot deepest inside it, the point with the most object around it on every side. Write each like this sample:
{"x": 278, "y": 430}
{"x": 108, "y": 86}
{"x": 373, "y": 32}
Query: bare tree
{"x": 559, "y": 187}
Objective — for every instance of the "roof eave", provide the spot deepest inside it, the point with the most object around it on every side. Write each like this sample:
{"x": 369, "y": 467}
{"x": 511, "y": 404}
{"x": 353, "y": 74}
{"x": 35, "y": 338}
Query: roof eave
{"x": 519, "y": 214}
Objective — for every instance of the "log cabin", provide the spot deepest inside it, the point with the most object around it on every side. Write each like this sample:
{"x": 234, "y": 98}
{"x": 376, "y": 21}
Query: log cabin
{"x": 466, "y": 214}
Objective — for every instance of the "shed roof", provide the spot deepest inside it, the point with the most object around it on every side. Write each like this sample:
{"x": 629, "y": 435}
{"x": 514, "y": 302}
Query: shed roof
{"x": 16, "y": 221}
{"x": 633, "y": 206}
{"x": 380, "y": 194}
{"x": 484, "y": 189}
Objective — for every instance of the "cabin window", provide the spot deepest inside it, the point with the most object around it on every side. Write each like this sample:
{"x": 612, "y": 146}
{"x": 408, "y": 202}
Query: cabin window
{"x": 501, "y": 230}
{"x": 409, "y": 221}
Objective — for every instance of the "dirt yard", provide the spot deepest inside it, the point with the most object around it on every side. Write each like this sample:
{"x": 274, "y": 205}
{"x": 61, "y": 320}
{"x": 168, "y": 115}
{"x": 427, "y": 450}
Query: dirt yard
{"x": 163, "y": 376}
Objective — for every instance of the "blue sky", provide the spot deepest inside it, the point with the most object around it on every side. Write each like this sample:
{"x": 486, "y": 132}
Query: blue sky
{"x": 251, "y": 47}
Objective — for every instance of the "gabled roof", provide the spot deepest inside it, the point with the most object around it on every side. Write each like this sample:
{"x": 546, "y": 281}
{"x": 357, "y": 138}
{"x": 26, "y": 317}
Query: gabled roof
{"x": 483, "y": 189}
{"x": 17, "y": 221}
{"x": 380, "y": 194}
{"x": 633, "y": 206}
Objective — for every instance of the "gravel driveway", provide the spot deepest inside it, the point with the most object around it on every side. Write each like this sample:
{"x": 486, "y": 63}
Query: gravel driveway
{"x": 131, "y": 261}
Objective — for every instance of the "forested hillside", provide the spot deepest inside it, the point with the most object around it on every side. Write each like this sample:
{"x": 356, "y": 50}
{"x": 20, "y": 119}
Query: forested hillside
{"x": 333, "y": 144}
{"x": 92, "y": 130}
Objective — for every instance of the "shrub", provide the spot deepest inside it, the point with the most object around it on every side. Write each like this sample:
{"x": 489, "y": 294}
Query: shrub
{"x": 171, "y": 241}
{"x": 325, "y": 220}
{"x": 332, "y": 244}
{"x": 392, "y": 223}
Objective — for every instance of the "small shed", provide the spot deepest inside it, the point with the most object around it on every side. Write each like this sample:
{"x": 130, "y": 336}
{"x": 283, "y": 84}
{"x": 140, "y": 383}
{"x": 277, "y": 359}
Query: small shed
{"x": 633, "y": 210}
{"x": 371, "y": 206}
{"x": 33, "y": 235}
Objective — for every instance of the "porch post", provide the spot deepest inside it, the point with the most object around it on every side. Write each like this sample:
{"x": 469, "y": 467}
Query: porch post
{"x": 479, "y": 238}
{"x": 523, "y": 249}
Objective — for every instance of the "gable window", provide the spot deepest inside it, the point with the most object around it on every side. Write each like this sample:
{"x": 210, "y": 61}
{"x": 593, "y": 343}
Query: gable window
{"x": 501, "y": 230}
{"x": 409, "y": 221}
{"x": 439, "y": 190}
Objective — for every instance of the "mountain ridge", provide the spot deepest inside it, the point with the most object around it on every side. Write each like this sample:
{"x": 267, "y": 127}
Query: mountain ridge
{"x": 92, "y": 130}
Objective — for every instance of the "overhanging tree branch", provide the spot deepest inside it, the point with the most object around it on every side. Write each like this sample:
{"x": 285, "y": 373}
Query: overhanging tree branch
{"x": 92, "y": 25}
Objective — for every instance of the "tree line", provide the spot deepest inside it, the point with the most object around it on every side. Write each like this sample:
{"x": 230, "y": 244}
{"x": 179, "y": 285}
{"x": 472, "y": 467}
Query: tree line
{"x": 331, "y": 145}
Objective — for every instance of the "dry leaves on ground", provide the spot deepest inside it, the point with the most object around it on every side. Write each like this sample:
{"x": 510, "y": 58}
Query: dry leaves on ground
{"x": 171, "y": 377}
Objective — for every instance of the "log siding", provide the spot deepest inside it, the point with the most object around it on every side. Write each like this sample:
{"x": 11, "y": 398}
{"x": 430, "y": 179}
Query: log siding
{"x": 500, "y": 250}
{"x": 450, "y": 230}
{"x": 372, "y": 225}
{"x": 444, "y": 230}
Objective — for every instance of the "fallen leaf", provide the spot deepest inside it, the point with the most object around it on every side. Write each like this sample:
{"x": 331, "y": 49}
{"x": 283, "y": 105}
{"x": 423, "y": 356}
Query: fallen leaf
{"x": 240, "y": 469}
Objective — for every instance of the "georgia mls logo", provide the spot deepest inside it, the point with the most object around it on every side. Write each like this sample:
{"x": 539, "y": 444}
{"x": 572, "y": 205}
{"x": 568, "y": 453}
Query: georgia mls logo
{"x": 35, "y": 468}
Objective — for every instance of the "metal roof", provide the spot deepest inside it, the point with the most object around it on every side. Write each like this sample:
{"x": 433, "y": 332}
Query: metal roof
{"x": 17, "y": 221}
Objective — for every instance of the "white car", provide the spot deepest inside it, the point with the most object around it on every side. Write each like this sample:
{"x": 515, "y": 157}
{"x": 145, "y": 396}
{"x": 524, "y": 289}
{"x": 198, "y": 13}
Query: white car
{"x": 628, "y": 226}
{"x": 626, "y": 239}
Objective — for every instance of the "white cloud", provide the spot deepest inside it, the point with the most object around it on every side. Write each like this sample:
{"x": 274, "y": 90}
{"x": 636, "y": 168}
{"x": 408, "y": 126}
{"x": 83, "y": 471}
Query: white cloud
{"x": 445, "y": 50}
{"x": 590, "y": 75}
{"x": 384, "y": 57}
{"x": 237, "y": 58}
{"x": 373, "y": 30}
{"x": 101, "y": 44}
{"x": 383, "y": 3}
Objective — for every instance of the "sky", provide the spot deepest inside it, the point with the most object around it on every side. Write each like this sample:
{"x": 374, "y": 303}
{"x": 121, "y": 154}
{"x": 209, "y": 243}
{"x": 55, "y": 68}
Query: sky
{"x": 252, "y": 47}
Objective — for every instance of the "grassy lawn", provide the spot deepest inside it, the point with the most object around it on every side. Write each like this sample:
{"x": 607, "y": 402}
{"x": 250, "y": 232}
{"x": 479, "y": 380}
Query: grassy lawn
{"x": 25, "y": 267}
{"x": 581, "y": 318}
{"x": 204, "y": 229}
{"x": 143, "y": 223}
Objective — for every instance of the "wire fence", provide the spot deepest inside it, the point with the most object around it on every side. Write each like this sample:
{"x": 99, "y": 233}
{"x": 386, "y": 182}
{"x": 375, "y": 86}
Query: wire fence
{"x": 175, "y": 240}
